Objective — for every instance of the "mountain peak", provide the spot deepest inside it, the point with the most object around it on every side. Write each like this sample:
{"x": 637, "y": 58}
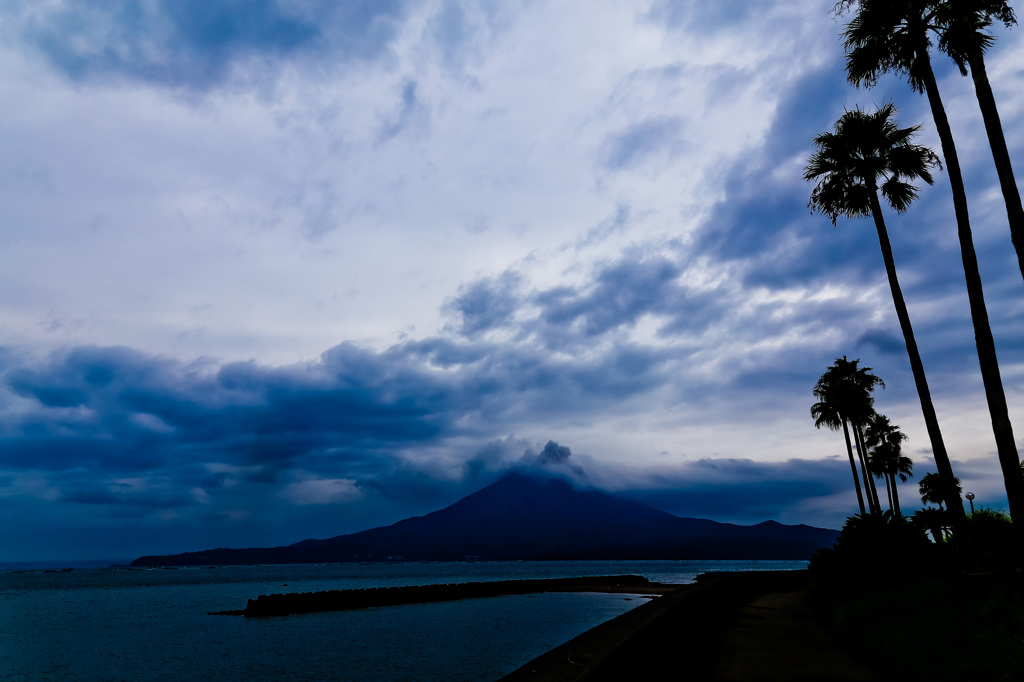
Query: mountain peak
{"x": 528, "y": 515}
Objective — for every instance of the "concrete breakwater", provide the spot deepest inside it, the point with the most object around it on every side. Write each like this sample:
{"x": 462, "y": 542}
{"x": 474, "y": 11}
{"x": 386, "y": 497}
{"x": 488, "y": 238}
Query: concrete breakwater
{"x": 267, "y": 605}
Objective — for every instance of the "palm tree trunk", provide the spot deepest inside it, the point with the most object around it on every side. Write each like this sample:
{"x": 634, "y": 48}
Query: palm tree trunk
{"x": 888, "y": 491}
{"x": 931, "y": 421}
{"x": 869, "y": 480}
{"x": 1004, "y": 169}
{"x": 1001, "y": 428}
{"x": 895, "y": 497}
{"x": 853, "y": 468}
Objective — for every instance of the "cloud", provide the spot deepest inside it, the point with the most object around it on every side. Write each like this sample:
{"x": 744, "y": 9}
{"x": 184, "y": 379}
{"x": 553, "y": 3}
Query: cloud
{"x": 117, "y": 408}
{"x": 409, "y": 111}
{"x": 200, "y": 198}
{"x": 883, "y": 341}
{"x": 321, "y": 491}
{"x": 487, "y": 304}
{"x": 716, "y": 17}
{"x": 643, "y": 140}
{"x": 553, "y": 459}
{"x": 199, "y": 45}
{"x": 619, "y": 295}
{"x": 746, "y": 491}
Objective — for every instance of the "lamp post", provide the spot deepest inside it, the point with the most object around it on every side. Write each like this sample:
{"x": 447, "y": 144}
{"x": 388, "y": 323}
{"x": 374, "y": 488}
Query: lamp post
{"x": 970, "y": 498}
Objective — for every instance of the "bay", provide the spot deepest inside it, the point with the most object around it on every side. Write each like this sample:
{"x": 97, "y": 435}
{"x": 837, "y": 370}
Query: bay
{"x": 141, "y": 624}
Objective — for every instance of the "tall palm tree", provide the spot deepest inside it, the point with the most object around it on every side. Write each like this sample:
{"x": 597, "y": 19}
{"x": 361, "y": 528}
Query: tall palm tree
{"x": 827, "y": 415}
{"x": 868, "y": 154}
{"x": 886, "y": 458}
{"x": 895, "y": 35}
{"x": 963, "y": 25}
{"x": 844, "y": 392}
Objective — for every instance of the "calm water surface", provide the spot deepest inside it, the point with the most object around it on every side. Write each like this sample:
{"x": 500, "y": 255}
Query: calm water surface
{"x": 143, "y": 624}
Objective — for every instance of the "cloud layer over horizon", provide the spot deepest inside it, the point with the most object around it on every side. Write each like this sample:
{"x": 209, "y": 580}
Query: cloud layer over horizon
{"x": 280, "y": 270}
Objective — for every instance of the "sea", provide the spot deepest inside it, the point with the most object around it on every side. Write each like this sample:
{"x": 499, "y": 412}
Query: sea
{"x": 153, "y": 624}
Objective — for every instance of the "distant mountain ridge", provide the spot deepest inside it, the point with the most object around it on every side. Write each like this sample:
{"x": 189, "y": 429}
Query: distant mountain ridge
{"x": 523, "y": 516}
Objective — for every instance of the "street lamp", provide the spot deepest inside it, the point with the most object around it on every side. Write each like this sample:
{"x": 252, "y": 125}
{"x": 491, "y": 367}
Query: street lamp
{"x": 970, "y": 498}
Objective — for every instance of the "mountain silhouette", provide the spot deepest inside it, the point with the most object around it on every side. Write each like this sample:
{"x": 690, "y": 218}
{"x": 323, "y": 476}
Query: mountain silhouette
{"x": 526, "y": 516}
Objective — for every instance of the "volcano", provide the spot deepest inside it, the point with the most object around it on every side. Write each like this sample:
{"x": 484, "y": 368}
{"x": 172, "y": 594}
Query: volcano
{"x": 532, "y": 517}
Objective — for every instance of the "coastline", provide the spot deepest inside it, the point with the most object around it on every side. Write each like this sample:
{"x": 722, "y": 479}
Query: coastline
{"x": 726, "y": 627}
{"x": 115, "y": 623}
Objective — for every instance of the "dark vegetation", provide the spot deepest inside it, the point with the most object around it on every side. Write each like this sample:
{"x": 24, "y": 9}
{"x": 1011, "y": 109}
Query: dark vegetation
{"x": 924, "y": 610}
{"x": 938, "y": 595}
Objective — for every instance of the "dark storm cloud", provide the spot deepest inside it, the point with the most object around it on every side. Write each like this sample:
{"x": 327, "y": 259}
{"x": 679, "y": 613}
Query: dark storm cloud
{"x": 614, "y": 298}
{"x": 553, "y": 453}
{"x": 726, "y": 489}
{"x": 742, "y": 490}
{"x": 487, "y": 304}
{"x": 196, "y": 44}
{"x": 882, "y": 341}
{"x": 764, "y": 232}
{"x": 499, "y": 381}
{"x": 501, "y": 456}
{"x": 224, "y": 429}
{"x": 553, "y": 459}
{"x": 620, "y": 293}
{"x": 764, "y": 223}
{"x": 763, "y": 219}
{"x": 112, "y": 408}
{"x": 120, "y": 412}
{"x": 571, "y": 319}
{"x": 109, "y": 497}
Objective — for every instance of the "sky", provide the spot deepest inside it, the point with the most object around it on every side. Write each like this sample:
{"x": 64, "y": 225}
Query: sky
{"x": 273, "y": 271}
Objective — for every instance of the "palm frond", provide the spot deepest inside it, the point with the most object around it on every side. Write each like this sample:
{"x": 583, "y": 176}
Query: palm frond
{"x": 864, "y": 153}
{"x": 888, "y": 36}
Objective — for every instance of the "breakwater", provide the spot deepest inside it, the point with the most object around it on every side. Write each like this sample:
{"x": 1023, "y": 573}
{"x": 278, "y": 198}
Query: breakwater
{"x": 269, "y": 605}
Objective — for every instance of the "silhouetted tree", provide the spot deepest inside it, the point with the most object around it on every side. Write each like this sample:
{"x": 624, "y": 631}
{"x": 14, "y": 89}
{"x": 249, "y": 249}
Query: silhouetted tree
{"x": 845, "y": 389}
{"x": 827, "y": 414}
{"x": 885, "y": 456}
{"x": 894, "y": 35}
{"x": 937, "y": 490}
{"x": 873, "y": 548}
{"x": 868, "y": 154}
{"x": 933, "y": 519}
{"x": 993, "y": 541}
{"x": 962, "y": 27}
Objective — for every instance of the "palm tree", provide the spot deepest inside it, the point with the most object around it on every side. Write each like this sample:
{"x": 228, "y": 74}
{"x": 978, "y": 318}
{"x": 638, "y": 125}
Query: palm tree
{"x": 894, "y": 35}
{"x": 933, "y": 519}
{"x": 885, "y": 458}
{"x": 936, "y": 489}
{"x": 868, "y": 154}
{"x": 826, "y": 414}
{"x": 862, "y": 406}
{"x": 844, "y": 393}
{"x": 963, "y": 25}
